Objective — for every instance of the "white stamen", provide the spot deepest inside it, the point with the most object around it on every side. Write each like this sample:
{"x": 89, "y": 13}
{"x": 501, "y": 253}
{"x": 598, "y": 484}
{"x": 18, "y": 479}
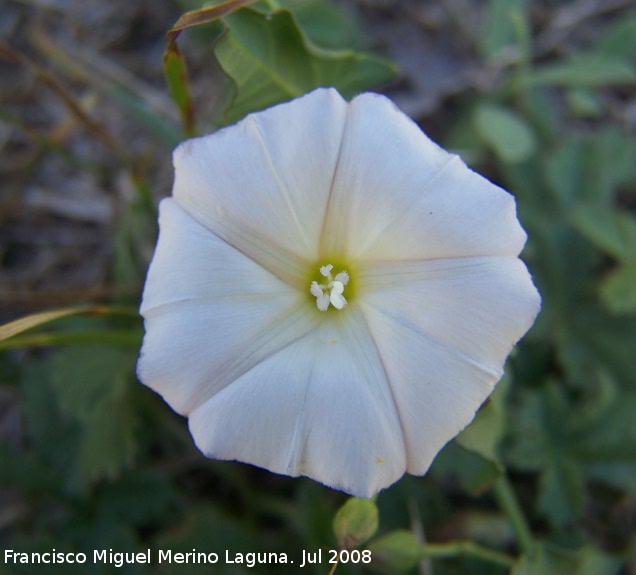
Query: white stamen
{"x": 330, "y": 292}
{"x": 335, "y": 297}
{"x": 343, "y": 278}
{"x": 322, "y": 302}
{"x": 326, "y": 271}
{"x": 315, "y": 289}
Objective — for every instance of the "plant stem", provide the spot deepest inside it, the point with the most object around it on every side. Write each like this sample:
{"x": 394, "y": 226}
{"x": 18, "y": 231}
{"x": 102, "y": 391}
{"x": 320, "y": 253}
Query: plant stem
{"x": 509, "y": 503}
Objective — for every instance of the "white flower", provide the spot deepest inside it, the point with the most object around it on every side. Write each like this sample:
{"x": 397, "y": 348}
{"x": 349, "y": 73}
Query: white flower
{"x": 350, "y": 378}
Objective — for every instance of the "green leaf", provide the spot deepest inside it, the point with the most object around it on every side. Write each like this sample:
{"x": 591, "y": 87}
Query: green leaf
{"x": 562, "y": 492}
{"x": 499, "y": 30}
{"x": 564, "y": 267}
{"x": 526, "y": 443}
{"x": 327, "y": 24}
{"x": 589, "y": 70}
{"x": 611, "y": 230}
{"x": 85, "y": 377}
{"x": 607, "y": 451}
{"x": 395, "y": 552}
{"x": 619, "y": 39}
{"x": 567, "y": 172}
{"x": 135, "y": 229}
{"x": 570, "y": 441}
{"x": 108, "y": 443}
{"x": 477, "y": 465}
{"x": 542, "y": 112}
{"x": 206, "y": 528}
{"x": 614, "y": 154}
{"x": 54, "y": 436}
{"x": 591, "y": 169}
{"x": 505, "y": 132}
{"x": 618, "y": 290}
{"x": 486, "y": 431}
{"x": 541, "y": 442}
{"x": 474, "y": 472}
{"x": 270, "y": 60}
{"x": 355, "y": 522}
{"x": 473, "y": 458}
{"x": 584, "y": 103}
{"x": 547, "y": 559}
{"x": 398, "y": 551}
{"x": 594, "y": 340}
{"x": 140, "y": 498}
{"x": 92, "y": 385}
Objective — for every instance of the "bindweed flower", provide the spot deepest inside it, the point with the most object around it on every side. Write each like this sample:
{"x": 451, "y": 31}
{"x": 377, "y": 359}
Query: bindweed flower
{"x": 332, "y": 295}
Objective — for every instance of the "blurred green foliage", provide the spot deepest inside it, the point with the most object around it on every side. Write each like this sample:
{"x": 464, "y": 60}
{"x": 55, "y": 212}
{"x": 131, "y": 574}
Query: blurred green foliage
{"x": 102, "y": 463}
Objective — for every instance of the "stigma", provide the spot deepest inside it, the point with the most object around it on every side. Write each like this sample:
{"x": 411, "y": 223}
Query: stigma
{"x": 330, "y": 292}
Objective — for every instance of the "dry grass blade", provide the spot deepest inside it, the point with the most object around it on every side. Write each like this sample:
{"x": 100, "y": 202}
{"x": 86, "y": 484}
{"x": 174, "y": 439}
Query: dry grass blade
{"x": 84, "y": 64}
{"x": 203, "y": 16}
{"x": 25, "y": 323}
{"x": 10, "y": 54}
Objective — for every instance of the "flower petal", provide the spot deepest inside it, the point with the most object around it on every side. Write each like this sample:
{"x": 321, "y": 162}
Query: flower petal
{"x": 192, "y": 350}
{"x": 444, "y": 330}
{"x": 396, "y": 194}
{"x": 436, "y": 392}
{"x": 320, "y": 407}
{"x": 191, "y": 263}
{"x": 263, "y": 184}
{"x": 479, "y": 306}
{"x": 210, "y": 312}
